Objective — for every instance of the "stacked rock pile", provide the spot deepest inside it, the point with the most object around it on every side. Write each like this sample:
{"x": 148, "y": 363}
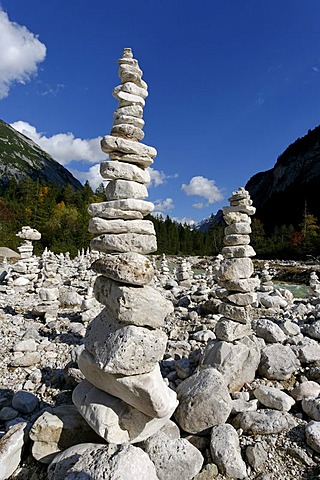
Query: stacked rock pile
{"x": 124, "y": 397}
{"x": 25, "y": 271}
{"x": 236, "y": 270}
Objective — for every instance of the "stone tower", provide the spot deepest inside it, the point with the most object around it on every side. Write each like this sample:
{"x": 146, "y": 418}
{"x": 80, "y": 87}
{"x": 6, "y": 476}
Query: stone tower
{"x": 124, "y": 397}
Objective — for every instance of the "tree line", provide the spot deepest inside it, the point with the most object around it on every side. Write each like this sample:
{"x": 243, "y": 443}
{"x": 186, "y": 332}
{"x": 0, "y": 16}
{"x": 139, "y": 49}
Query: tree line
{"x": 60, "y": 215}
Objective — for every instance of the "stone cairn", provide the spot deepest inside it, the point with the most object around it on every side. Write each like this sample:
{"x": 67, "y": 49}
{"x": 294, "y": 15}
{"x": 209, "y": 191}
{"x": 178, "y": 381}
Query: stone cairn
{"x": 123, "y": 397}
{"x": 314, "y": 284}
{"x": 238, "y": 292}
{"x": 26, "y": 270}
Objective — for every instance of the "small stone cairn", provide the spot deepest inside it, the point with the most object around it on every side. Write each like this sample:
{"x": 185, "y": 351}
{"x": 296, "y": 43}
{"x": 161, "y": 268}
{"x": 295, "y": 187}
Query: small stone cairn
{"x": 124, "y": 397}
{"x": 314, "y": 284}
{"x": 26, "y": 270}
{"x": 183, "y": 273}
{"x": 238, "y": 286}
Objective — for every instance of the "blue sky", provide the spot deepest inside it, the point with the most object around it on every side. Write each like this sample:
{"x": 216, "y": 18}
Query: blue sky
{"x": 231, "y": 85}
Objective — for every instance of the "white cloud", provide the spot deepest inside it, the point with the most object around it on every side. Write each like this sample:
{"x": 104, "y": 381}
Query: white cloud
{"x": 184, "y": 221}
{"x": 20, "y": 53}
{"x": 92, "y": 175}
{"x": 199, "y": 205}
{"x": 203, "y": 187}
{"x": 163, "y": 205}
{"x": 157, "y": 177}
{"x": 64, "y": 147}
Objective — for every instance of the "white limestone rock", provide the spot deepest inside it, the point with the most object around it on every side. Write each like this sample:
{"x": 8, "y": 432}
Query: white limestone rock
{"x": 264, "y": 422}
{"x": 132, "y": 111}
{"x": 239, "y": 251}
{"x": 114, "y": 170}
{"x": 125, "y": 242}
{"x": 132, "y": 88}
{"x": 132, "y": 306}
{"x": 311, "y": 406}
{"x": 174, "y": 459}
{"x": 126, "y": 206}
{"x": 204, "y": 401}
{"x": 139, "y": 160}
{"x": 270, "y": 331}
{"x": 126, "y": 350}
{"x": 242, "y": 299}
{"x": 58, "y": 429}
{"x": 246, "y": 209}
{"x": 307, "y": 389}
{"x": 128, "y": 120}
{"x": 235, "y": 268}
{"x": 236, "y": 217}
{"x": 146, "y": 392}
{"x": 112, "y": 418}
{"x": 313, "y": 435}
{"x": 236, "y": 313}
{"x": 119, "y": 189}
{"x": 126, "y": 99}
{"x": 242, "y": 284}
{"x": 236, "y": 239}
{"x": 127, "y": 131}
{"x": 101, "y": 225}
{"x": 130, "y": 268}
{"x": 11, "y": 445}
{"x": 96, "y": 462}
{"x": 225, "y": 451}
{"x": 238, "y": 228}
{"x": 236, "y": 362}
{"x": 111, "y": 144}
{"x": 278, "y": 362}
{"x": 229, "y": 330}
{"x": 274, "y": 398}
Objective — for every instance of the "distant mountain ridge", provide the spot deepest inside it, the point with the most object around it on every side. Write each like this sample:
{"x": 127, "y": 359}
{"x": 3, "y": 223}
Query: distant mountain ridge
{"x": 20, "y": 157}
{"x": 283, "y": 194}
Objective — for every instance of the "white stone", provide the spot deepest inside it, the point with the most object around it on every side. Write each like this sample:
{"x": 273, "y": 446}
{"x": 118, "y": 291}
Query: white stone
{"x": 242, "y": 284}
{"x": 113, "y": 170}
{"x": 127, "y": 131}
{"x": 270, "y": 331}
{"x": 131, "y": 110}
{"x": 126, "y": 350}
{"x": 239, "y": 228}
{"x": 93, "y": 461}
{"x": 132, "y": 305}
{"x": 278, "y": 362}
{"x": 264, "y": 422}
{"x": 204, "y": 401}
{"x": 125, "y": 242}
{"x": 246, "y": 209}
{"x": 119, "y": 189}
{"x": 311, "y": 406}
{"x": 236, "y": 217}
{"x": 100, "y": 225}
{"x": 242, "y": 299}
{"x": 238, "y": 251}
{"x": 126, "y": 99}
{"x": 114, "y": 420}
{"x": 131, "y": 268}
{"x": 236, "y": 239}
{"x": 11, "y": 450}
{"x": 132, "y": 88}
{"x": 235, "y": 268}
{"x": 225, "y": 451}
{"x": 111, "y": 144}
{"x": 141, "y": 161}
{"x": 274, "y": 398}
{"x": 307, "y": 389}
{"x": 128, "y": 120}
{"x": 313, "y": 435}
{"x": 229, "y": 330}
{"x": 146, "y": 392}
{"x": 174, "y": 459}
{"x": 238, "y": 314}
{"x": 131, "y": 204}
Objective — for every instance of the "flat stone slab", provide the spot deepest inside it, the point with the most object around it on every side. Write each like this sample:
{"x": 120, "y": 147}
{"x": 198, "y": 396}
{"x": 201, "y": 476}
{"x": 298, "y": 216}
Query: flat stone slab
{"x": 130, "y": 268}
{"x": 102, "y": 209}
{"x": 264, "y": 422}
{"x": 125, "y": 242}
{"x": 111, "y": 144}
{"x": 132, "y": 305}
{"x": 113, "y": 170}
{"x": 146, "y": 392}
{"x": 126, "y": 350}
{"x": 112, "y": 418}
{"x": 101, "y": 225}
{"x": 11, "y": 445}
{"x": 119, "y": 189}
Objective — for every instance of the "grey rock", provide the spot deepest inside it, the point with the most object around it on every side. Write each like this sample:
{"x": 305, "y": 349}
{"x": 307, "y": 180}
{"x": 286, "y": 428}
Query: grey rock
{"x": 307, "y": 389}
{"x": 311, "y": 406}
{"x": 204, "y": 401}
{"x": 95, "y": 462}
{"x": 11, "y": 445}
{"x": 274, "y": 398}
{"x": 24, "y": 402}
{"x": 225, "y": 451}
{"x": 278, "y": 362}
{"x": 264, "y": 422}
{"x": 269, "y": 331}
{"x": 313, "y": 435}
{"x": 256, "y": 455}
{"x": 174, "y": 459}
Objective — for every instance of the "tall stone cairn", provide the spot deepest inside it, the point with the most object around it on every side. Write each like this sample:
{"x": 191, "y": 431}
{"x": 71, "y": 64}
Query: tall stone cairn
{"x": 123, "y": 396}
{"x": 236, "y": 270}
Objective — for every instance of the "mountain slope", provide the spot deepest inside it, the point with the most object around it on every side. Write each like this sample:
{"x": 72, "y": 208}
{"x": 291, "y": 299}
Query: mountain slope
{"x": 20, "y": 157}
{"x": 284, "y": 193}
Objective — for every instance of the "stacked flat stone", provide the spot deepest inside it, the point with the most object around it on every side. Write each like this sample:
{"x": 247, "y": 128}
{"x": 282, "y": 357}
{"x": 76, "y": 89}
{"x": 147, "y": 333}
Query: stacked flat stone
{"x": 266, "y": 283}
{"x": 25, "y": 271}
{"x": 183, "y": 273}
{"x": 314, "y": 284}
{"x": 124, "y": 397}
{"x": 235, "y": 275}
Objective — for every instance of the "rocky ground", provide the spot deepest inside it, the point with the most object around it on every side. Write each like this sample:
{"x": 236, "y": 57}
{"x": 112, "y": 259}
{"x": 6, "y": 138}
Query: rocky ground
{"x": 39, "y": 351}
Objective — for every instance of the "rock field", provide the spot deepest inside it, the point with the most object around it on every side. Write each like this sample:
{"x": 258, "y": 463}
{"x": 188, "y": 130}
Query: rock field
{"x": 251, "y": 407}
